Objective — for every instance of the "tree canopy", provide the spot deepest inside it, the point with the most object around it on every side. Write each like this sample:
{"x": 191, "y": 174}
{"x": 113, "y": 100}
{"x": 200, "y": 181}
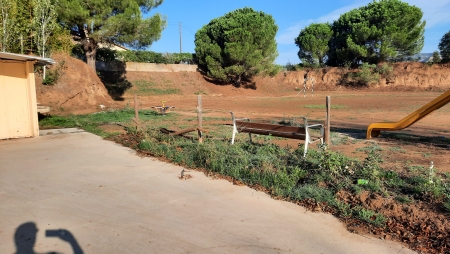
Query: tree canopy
{"x": 121, "y": 22}
{"x": 382, "y": 30}
{"x": 44, "y": 22}
{"x": 237, "y": 46}
{"x": 444, "y": 48}
{"x": 313, "y": 44}
{"x": 26, "y": 25}
{"x": 8, "y": 10}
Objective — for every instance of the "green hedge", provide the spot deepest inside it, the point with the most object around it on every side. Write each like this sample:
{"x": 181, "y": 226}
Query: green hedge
{"x": 140, "y": 56}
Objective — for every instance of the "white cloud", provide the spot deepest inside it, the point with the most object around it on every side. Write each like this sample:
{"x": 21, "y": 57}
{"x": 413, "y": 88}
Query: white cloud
{"x": 435, "y": 12}
{"x": 288, "y": 35}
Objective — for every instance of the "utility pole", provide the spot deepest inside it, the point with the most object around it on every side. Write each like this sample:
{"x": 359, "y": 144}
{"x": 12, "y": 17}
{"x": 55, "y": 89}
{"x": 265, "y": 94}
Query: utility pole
{"x": 181, "y": 51}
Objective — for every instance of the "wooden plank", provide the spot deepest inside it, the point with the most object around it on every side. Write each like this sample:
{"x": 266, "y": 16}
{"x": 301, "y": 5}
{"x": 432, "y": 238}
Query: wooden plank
{"x": 291, "y": 135}
{"x": 270, "y": 127}
{"x": 186, "y": 131}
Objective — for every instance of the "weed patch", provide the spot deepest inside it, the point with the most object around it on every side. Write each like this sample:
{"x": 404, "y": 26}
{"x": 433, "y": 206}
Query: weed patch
{"x": 148, "y": 88}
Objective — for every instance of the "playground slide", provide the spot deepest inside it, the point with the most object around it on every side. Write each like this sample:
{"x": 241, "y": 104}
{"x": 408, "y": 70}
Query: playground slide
{"x": 375, "y": 129}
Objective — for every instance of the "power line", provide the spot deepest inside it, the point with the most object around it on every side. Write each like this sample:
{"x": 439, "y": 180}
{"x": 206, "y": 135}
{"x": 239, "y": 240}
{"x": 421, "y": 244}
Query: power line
{"x": 183, "y": 25}
{"x": 188, "y": 29}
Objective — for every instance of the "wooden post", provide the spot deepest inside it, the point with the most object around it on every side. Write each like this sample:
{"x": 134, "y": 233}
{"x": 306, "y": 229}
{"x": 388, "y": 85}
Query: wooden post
{"x": 327, "y": 121}
{"x": 199, "y": 114}
{"x": 136, "y": 113}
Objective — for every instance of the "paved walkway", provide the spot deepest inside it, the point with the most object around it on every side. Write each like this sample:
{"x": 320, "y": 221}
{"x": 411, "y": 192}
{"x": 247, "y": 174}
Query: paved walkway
{"x": 84, "y": 193}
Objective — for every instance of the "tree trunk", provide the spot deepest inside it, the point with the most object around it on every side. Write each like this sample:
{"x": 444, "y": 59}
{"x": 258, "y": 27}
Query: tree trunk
{"x": 90, "y": 48}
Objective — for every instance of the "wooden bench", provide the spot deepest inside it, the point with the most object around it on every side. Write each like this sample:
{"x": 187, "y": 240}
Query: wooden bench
{"x": 293, "y": 132}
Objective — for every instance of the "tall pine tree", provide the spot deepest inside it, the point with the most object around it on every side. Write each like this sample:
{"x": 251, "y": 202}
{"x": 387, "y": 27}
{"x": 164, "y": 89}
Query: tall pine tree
{"x": 121, "y": 22}
{"x": 382, "y": 30}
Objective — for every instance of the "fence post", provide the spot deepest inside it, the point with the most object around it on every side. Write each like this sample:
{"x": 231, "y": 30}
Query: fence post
{"x": 327, "y": 121}
{"x": 199, "y": 115}
{"x": 136, "y": 113}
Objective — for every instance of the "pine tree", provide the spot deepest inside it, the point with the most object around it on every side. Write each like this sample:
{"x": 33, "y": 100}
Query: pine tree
{"x": 237, "y": 46}
{"x": 383, "y": 30}
{"x": 121, "y": 22}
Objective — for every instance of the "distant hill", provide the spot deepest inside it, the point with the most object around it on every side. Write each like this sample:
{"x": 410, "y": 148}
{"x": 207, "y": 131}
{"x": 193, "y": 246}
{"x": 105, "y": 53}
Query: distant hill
{"x": 423, "y": 57}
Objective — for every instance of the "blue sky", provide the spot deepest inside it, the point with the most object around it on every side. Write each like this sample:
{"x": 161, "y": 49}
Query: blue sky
{"x": 290, "y": 16}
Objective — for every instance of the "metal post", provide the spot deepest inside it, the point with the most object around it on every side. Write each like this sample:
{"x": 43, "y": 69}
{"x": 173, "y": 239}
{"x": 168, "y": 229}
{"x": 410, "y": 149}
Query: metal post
{"x": 181, "y": 51}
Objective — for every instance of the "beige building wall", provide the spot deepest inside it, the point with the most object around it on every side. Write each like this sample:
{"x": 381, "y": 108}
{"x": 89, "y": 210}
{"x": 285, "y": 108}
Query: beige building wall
{"x": 144, "y": 67}
{"x": 18, "y": 111}
{"x": 152, "y": 67}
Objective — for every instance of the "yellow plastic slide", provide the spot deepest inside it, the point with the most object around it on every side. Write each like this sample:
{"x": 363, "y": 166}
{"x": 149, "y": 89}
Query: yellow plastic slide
{"x": 375, "y": 128}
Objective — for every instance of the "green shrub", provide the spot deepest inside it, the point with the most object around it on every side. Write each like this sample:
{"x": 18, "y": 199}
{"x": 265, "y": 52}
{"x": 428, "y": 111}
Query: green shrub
{"x": 155, "y": 57}
{"x": 51, "y": 77}
{"x": 386, "y": 70}
{"x": 366, "y": 75}
{"x": 371, "y": 217}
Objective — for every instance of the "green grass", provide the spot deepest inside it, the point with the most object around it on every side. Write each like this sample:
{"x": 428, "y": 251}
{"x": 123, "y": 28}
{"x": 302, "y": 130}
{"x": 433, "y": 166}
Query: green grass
{"x": 397, "y": 149}
{"x": 91, "y": 122}
{"x": 321, "y": 106}
{"x": 149, "y": 88}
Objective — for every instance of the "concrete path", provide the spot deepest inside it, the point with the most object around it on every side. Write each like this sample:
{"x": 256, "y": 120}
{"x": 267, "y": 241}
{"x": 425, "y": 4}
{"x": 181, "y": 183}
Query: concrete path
{"x": 79, "y": 191}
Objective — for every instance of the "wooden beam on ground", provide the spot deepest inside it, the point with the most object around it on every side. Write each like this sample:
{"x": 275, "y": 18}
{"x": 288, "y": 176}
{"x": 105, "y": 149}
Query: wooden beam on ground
{"x": 181, "y": 132}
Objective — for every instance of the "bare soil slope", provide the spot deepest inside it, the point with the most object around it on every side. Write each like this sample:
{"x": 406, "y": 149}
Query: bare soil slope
{"x": 78, "y": 90}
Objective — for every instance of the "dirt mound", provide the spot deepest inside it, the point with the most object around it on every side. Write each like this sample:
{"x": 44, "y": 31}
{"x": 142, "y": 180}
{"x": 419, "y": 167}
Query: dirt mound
{"x": 78, "y": 90}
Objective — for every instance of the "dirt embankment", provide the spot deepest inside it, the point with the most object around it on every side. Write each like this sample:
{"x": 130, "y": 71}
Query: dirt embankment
{"x": 80, "y": 90}
{"x": 405, "y": 77}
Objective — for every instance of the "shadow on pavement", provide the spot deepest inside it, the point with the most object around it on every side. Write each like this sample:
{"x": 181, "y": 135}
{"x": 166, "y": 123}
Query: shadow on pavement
{"x": 25, "y": 238}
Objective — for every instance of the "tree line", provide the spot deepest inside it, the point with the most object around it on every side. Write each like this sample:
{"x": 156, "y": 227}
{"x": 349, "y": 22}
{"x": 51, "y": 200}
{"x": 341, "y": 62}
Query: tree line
{"x": 382, "y": 31}
{"x": 37, "y": 26}
{"x": 231, "y": 48}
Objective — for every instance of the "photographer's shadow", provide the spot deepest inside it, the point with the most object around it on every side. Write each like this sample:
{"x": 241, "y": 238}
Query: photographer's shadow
{"x": 25, "y": 238}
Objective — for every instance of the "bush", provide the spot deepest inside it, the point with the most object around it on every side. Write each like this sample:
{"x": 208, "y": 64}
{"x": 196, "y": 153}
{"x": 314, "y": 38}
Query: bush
{"x": 366, "y": 75}
{"x": 154, "y": 57}
{"x": 436, "y": 57}
{"x": 290, "y": 67}
{"x": 51, "y": 77}
{"x": 386, "y": 70}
